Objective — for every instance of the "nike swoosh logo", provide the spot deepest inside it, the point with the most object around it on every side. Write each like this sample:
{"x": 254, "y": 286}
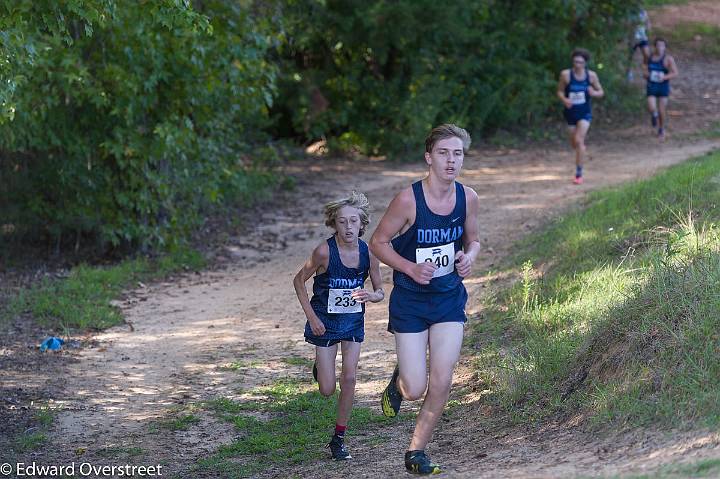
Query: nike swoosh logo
{"x": 454, "y": 220}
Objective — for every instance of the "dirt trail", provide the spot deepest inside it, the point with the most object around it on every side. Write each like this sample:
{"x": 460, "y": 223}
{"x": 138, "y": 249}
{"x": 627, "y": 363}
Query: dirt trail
{"x": 187, "y": 329}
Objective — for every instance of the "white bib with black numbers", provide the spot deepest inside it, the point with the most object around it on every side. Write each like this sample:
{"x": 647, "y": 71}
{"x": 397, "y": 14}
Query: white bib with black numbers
{"x": 577, "y": 97}
{"x": 341, "y": 301}
{"x": 656, "y": 76}
{"x": 443, "y": 257}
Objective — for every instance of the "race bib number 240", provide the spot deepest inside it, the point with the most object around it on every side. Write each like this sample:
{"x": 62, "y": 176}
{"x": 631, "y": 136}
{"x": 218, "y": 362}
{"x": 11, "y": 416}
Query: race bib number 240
{"x": 442, "y": 256}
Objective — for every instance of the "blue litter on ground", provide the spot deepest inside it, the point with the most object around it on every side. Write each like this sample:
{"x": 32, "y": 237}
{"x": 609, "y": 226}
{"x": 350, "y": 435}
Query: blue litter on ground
{"x": 53, "y": 343}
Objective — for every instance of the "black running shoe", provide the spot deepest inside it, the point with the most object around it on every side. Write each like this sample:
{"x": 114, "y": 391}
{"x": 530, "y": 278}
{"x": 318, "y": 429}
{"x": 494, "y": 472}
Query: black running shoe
{"x": 416, "y": 462}
{"x": 337, "y": 448}
{"x": 391, "y": 397}
{"x": 315, "y": 371}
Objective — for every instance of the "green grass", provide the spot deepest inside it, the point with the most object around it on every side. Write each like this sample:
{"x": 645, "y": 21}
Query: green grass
{"x": 120, "y": 451}
{"x": 242, "y": 364}
{"x": 82, "y": 300}
{"x": 616, "y": 309}
{"x": 703, "y": 37}
{"x": 180, "y": 423}
{"x": 703, "y": 468}
{"x": 298, "y": 361}
{"x": 290, "y": 425}
{"x": 34, "y": 437}
{"x": 29, "y": 441}
{"x": 658, "y": 3}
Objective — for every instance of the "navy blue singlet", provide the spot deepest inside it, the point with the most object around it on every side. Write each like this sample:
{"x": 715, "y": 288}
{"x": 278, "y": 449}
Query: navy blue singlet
{"x": 654, "y": 87}
{"x": 341, "y": 279}
{"x": 425, "y": 239}
{"x": 577, "y": 92}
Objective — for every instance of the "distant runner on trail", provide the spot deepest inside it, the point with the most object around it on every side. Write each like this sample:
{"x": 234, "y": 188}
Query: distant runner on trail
{"x": 336, "y": 312}
{"x": 660, "y": 69}
{"x": 641, "y": 26}
{"x": 429, "y": 237}
{"x": 577, "y": 85}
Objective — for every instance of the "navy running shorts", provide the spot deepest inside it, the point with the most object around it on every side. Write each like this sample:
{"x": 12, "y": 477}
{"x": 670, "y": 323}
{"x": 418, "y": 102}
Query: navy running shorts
{"x": 414, "y": 312}
{"x": 658, "y": 89}
{"x": 326, "y": 343}
{"x": 573, "y": 117}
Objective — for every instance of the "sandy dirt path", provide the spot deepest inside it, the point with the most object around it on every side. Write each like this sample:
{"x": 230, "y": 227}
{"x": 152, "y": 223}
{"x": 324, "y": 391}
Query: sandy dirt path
{"x": 187, "y": 329}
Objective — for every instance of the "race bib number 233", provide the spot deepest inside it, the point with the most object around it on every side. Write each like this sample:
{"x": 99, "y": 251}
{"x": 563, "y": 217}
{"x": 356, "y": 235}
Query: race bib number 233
{"x": 341, "y": 301}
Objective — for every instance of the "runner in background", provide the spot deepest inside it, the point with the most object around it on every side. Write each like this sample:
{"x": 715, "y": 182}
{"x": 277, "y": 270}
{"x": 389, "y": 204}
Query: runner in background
{"x": 641, "y": 28}
{"x": 661, "y": 68}
{"x": 576, "y": 86}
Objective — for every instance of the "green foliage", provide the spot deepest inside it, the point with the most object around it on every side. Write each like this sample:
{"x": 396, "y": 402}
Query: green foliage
{"x": 616, "y": 309}
{"x": 380, "y": 74}
{"x": 129, "y": 123}
{"x": 124, "y": 127}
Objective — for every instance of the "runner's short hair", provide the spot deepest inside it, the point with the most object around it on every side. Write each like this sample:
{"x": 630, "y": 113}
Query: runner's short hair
{"x": 445, "y": 131}
{"x": 580, "y": 52}
{"x": 356, "y": 200}
{"x": 660, "y": 39}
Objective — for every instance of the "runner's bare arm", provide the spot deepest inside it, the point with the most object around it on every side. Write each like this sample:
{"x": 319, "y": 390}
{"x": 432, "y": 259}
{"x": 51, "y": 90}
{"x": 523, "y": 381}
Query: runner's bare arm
{"x": 378, "y": 293}
{"x": 672, "y": 67}
{"x": 562, "y": 83}
{"x": 317, "y": 263}
{"x": 393, "y": 221}
{"x": 595, "y": 90}
{"x": 471, "y": 241}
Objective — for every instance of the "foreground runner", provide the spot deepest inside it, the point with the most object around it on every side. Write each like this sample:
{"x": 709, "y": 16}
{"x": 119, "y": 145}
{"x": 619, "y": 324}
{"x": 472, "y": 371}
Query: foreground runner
{"x": 575, "y": 88}
{"x": 336, "y": 312}
{"x": 436, "y": 223}
{"x": 661, "y": 68}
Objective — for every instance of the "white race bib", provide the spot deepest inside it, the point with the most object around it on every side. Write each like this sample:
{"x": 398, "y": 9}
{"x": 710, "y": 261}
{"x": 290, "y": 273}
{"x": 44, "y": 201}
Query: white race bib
{"x": 656, "y": 76}
{"x": 443, "y": 257}
{"x": 341, "y": 301}
{"x": 577, "y": 97}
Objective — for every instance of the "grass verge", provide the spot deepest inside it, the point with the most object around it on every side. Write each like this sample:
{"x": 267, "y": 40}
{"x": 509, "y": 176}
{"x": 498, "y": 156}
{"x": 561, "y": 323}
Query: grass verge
{"x": 33, "y": 437}
{"x": 616, "y": 311}
{"x": 703, "y": 468}
{"x": 701, "y": 37}
{"x": 82, "y": 300}
{"x": 289, "y": 425}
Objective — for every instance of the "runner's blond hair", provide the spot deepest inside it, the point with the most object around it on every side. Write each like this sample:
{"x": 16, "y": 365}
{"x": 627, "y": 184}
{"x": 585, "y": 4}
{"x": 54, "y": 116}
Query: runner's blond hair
{"x": 356, "y": 200}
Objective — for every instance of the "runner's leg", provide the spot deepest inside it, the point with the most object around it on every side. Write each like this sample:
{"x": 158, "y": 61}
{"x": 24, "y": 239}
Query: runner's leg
{"x": 652, "y": 107}
{"x": 411, "y": 354}
{"x": 350, "y": 357}
{"x": 579, "y": 138}
{"x": 646, "y": 54}
{"x": 325, "y": 362}
{"x": 662, "y": 108}
{"x": 445, "y": 340}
